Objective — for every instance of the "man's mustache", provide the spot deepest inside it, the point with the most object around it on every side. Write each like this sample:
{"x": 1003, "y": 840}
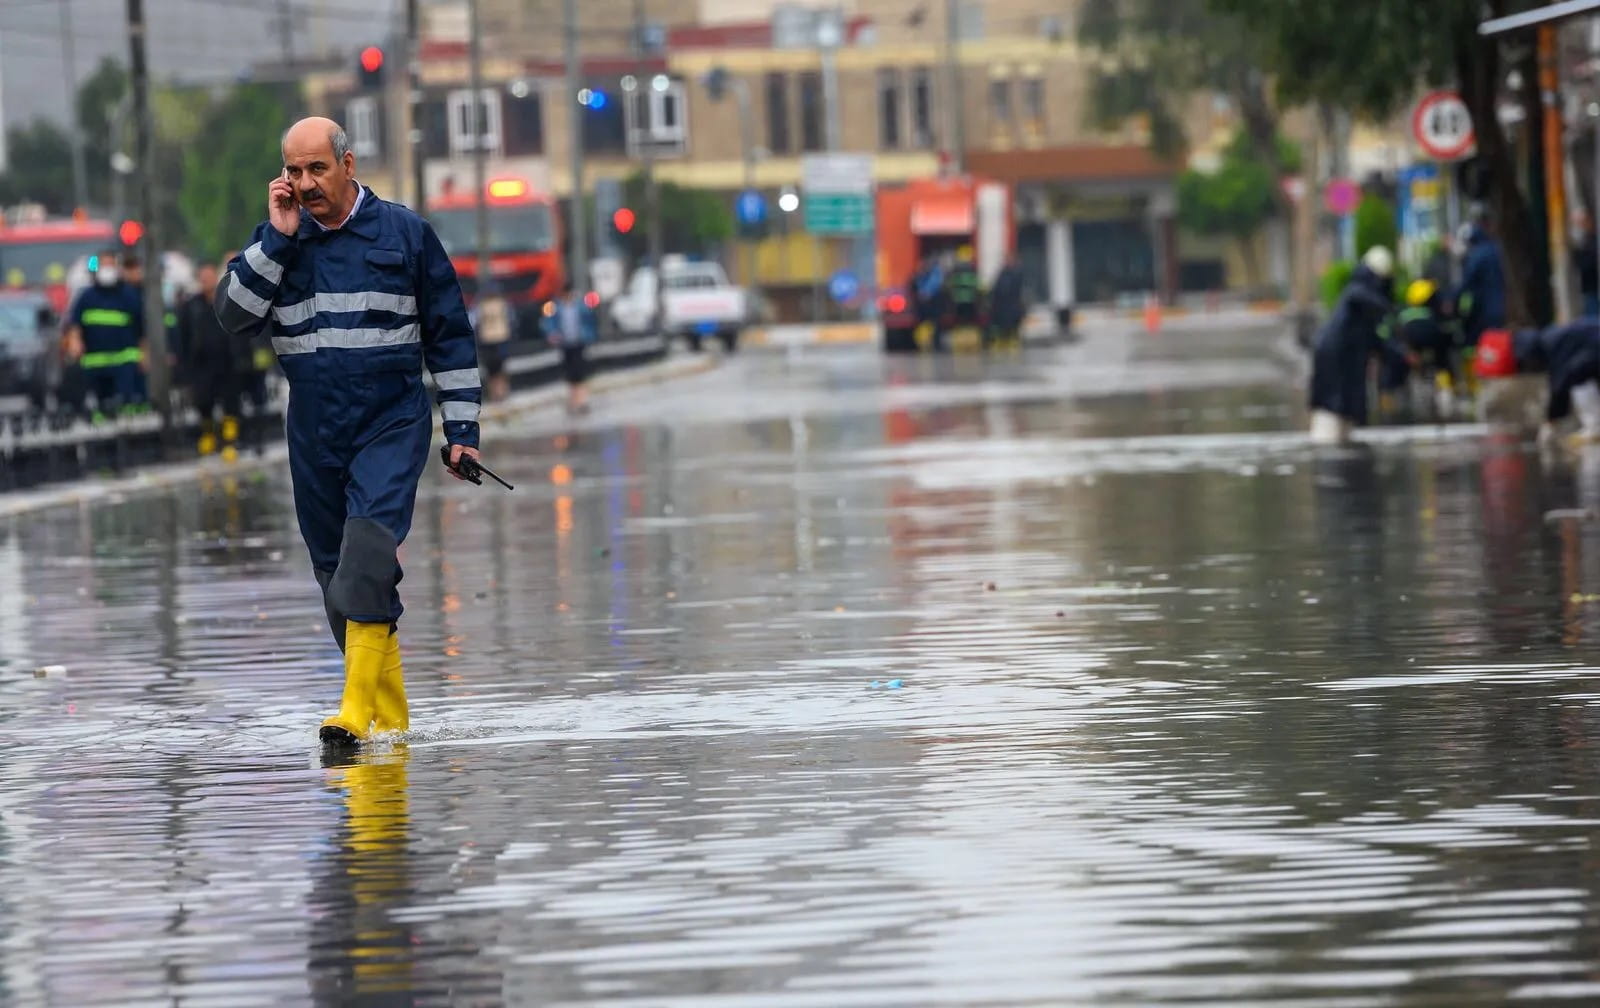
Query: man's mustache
{"x": 315, "y": 194}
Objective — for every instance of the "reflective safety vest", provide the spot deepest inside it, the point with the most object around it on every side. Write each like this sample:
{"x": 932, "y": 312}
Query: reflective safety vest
{"x": 110, "y": 319}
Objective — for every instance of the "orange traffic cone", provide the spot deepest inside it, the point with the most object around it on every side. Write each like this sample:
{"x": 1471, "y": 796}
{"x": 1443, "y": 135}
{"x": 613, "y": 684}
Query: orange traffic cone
{"x": 1152, "y": 314}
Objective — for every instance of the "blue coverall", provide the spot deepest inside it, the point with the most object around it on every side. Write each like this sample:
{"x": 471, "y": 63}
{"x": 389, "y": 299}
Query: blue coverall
{"x": 354, "y": 314}
{"x": 111, "y": 319}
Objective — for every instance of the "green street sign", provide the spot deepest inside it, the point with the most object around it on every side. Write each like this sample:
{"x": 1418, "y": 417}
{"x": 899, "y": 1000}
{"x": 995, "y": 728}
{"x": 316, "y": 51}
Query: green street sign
{"x": 829, "y": 213}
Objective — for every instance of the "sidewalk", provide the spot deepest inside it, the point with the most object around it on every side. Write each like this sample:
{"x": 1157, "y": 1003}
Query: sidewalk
{"x": 161, "y": 476}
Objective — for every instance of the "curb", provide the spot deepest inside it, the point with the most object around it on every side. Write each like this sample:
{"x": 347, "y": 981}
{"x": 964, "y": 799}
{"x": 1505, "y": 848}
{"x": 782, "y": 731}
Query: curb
{"x": 161, "y": 477}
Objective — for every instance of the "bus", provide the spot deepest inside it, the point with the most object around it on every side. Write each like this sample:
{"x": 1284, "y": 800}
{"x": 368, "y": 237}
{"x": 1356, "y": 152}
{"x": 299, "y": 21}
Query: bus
{"x": 39, "y": 254}
{"x": 524, "y": 244}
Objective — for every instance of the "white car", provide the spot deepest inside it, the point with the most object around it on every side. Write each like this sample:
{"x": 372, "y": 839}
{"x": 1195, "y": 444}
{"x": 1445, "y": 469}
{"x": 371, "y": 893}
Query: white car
{"x": 696, "y": 301}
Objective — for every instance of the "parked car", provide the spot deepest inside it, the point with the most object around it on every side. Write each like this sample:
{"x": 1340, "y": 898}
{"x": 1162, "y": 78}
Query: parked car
{"x": 697, "y": 301}
{"x": 30, "y": 361}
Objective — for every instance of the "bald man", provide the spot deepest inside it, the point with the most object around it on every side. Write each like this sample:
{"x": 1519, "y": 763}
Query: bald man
{"x": 358, "y": 296}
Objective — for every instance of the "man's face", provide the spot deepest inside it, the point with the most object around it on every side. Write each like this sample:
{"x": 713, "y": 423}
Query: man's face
{"x": 206, "y": 278}
{"x": 321, "y": 183}
{"x": 133, "y": 273}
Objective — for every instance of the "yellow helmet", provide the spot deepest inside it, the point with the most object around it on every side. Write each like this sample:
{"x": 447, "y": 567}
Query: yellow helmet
{"x": 964, "y": 253}
{"x": 1420, "y": 292}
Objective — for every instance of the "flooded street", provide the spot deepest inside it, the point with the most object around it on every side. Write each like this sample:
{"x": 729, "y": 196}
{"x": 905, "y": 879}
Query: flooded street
{"x": 1069, "y": 678}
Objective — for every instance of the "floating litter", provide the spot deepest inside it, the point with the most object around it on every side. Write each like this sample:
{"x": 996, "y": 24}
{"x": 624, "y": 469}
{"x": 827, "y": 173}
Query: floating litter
{"x": 49, "y": 670}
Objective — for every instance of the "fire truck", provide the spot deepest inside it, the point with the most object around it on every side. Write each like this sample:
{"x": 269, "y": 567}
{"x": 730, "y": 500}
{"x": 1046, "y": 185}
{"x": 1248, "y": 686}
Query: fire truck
{"x": 38, "y": 254}
{"x": 524, "y": 244}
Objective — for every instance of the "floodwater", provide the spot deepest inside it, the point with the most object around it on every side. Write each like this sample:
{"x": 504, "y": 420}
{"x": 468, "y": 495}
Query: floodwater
{"x": 1076, "y": 678}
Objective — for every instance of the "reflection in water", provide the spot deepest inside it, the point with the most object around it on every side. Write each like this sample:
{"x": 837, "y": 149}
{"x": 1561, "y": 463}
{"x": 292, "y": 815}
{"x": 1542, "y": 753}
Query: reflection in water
{"x": 359, "y": 955}
{"x": 1185, "y": 716}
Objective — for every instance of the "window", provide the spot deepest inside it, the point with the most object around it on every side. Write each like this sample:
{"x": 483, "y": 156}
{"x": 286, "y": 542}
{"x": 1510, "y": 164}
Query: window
{"x": 921, "y": 108}
{"x": 605, "y": 128}
{"x": 778, "y": 139}
{"x": 435, "y": 124}
{"x": 1033, "y": 103}
{"x": 463, "y": 128}
{"x": 1000, "y": 98}
{"x": 890, "y": 104}
{"x": 657, "y": 119}
{"x": 361, "y": 123}
{"x": 524, "y": 123}
{"x": 811, "y": 126}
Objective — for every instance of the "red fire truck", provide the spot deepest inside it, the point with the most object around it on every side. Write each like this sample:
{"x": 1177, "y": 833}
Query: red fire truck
{"x": 524, "y": 243}
{"x": 38, "y": 254}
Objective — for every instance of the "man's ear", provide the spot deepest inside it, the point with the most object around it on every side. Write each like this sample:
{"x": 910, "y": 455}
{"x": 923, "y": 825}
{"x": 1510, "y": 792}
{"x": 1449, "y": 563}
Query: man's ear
{"x": 350, "y": 162}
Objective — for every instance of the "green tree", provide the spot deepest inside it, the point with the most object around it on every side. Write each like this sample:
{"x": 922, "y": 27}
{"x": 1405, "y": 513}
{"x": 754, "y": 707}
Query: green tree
{"x": 1375, "y": 225}
{"x": 1236, "y": 199}
{"x": 225, "y": 175}
{"x": 37, "y": 154}
{"x": 1162, "y": 55}
{"x": 105, "y": 123}
{"x": 693, "y": 221}
{"x": 1372, "y": 57}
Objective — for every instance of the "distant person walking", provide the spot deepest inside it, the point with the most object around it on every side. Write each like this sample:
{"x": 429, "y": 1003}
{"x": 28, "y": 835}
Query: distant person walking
{"x": 571, "y": 327}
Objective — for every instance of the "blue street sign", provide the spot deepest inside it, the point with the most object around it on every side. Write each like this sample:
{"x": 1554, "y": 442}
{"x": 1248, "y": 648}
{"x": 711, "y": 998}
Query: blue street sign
{"x": 751, "y": 207}
{"x": 843, "y": 286}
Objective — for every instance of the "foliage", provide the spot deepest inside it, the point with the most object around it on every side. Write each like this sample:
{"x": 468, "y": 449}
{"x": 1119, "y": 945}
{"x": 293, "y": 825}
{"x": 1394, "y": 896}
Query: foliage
{"x": 693, "y": 221}
{"x": 1161, "y": 55}
{"x": 225, "y": 178}
{"x": 1375, "y": 225}
{"x": 37, "y": 153}
{"x": 1372, "y": 57}
{"x": 1334, "y": 279}
{"x": 1233, "y": 201}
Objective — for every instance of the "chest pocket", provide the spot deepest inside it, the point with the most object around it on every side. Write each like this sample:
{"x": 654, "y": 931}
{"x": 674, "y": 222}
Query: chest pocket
{"x": 389, "y": 271}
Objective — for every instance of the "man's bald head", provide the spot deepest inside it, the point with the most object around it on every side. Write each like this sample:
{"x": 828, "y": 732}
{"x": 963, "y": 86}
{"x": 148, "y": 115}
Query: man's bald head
{"x": 319, "y": 165}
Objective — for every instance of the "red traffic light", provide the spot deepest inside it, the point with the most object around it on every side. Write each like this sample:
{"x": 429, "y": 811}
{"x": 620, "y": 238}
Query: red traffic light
{"x": 622, "y": 220}
{"x": 130, "y": 232}
{"x": 372, "y": 59}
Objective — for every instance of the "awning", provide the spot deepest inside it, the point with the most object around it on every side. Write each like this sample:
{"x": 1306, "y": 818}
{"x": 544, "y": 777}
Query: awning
{"x": 1538, "y": 16}
{"x": 942, "y": 215}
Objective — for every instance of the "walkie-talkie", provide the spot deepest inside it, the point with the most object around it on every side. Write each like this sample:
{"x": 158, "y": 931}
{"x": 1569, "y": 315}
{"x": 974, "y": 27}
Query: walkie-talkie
{"x": 470, "y": 469}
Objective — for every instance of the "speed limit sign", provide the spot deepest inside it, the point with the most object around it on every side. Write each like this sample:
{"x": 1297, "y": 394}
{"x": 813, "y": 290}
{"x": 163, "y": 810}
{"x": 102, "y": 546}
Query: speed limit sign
{"x": 1442, "y": 125}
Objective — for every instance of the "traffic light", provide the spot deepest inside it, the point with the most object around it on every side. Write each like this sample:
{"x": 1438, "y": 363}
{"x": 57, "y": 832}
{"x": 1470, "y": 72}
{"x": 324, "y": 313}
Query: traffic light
{"x": 623, "y": 220}
{"x": 130, "y": 232}
{"x": 371, "y": 67}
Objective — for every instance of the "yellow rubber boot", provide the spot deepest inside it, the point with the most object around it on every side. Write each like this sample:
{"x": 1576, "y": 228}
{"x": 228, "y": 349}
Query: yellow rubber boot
{"x": 230, "y": 439}
{"x": 365, "y": 645}
{"x": 208, "y": 444}
{"x": 391, "y": 712}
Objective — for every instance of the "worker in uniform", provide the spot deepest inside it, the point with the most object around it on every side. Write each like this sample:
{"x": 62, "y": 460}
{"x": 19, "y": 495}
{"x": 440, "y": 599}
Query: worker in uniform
{"x": 104, "y": 330}
{"x": 216, "y": 364}
{"x": 358, "y": 296}
{"x": 1346, "y": 345}
{"x": 1568, "y": 354}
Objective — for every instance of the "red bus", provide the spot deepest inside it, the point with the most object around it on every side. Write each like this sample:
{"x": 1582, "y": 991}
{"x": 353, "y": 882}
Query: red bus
{"x": 39, "y": 255}
{"x": 524, "y": 244}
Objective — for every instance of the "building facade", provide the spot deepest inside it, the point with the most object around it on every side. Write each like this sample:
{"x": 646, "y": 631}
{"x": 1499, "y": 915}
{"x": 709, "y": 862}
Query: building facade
{"x": 724, "y": 101}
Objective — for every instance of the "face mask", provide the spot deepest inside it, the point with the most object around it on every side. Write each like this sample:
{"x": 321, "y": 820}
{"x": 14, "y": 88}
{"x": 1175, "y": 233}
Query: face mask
{"x": 106, "y": 276}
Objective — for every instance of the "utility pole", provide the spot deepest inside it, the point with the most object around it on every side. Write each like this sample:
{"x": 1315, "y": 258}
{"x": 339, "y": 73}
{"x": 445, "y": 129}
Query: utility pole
{"x": 479, "y": 174}
{"x": 829, "y": 34}
{"x": 69, "y": 65}
{"x": 578, "y": 271}
{"x": 1555, "y": 183}
{"x": 647, "y": 153}
{"x": 155, "y": 323}
{"x": 285, "y": 21}
{"x": 956, "y": 135}
{"x": 419, "y": 191}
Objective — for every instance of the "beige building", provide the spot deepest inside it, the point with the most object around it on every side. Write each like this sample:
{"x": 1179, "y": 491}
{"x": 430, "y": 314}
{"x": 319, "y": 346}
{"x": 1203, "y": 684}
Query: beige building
{"x": 1093, "y": 210}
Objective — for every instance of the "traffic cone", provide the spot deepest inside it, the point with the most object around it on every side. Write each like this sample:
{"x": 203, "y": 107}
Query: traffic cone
{"x": 1152, "y": 314}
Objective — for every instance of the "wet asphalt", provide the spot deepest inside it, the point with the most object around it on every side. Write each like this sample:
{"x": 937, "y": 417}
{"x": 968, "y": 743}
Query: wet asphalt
{"x": 1067, "y": 677}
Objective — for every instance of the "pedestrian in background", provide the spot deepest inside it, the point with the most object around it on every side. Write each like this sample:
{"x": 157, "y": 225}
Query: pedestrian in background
{"x": 358, "y": 296}
{"x": 104, "y": 330}
{"x": 571, "y": 326}
{"x": 1346, "y": 346}
{"x": 1005, "y": 305}
{"x": 217, "y": 365}
{"x": 494, "y": 320}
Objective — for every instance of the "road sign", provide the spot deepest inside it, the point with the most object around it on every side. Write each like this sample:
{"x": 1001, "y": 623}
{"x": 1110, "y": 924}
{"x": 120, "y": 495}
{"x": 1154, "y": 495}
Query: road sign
{"x": 838, "y": 214}
{"x": 843, "y": 287}
{"x": 1341, "y": 197}
{"x": 1442, "y": 124}
{"x": 838, "y": 193}
{"x": 750, "y": 208}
